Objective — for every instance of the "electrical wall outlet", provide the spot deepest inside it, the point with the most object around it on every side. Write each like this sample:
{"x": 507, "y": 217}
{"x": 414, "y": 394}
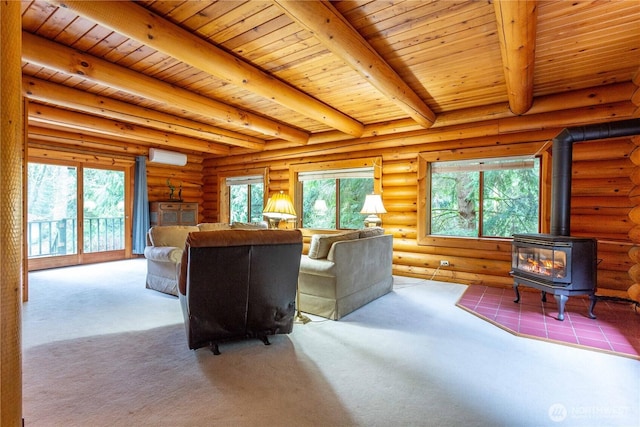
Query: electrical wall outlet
{"x": 444, "y": 263}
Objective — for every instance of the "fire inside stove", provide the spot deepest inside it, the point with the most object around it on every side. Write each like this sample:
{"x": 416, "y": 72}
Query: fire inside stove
{"x": 542, "y": 262}
{"x": 559, "y": 260}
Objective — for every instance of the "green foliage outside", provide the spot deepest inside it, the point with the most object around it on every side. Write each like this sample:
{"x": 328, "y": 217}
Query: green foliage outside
{"x": 320, "y": 189}
{"x": 352, "y": 192}
{"x": 52, "y": 192}
{"x": 52, "y": 202}
{"x": 240, "y": 208}
{"x": 103, "y": 193}
{"x": 510, "y": 202}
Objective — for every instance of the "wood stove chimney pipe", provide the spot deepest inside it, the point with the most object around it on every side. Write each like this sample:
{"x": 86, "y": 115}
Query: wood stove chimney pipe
{"x": 562, "y": 163}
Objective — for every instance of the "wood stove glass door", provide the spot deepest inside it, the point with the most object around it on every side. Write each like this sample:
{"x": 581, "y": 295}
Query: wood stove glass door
{"x": 547, "y": 263}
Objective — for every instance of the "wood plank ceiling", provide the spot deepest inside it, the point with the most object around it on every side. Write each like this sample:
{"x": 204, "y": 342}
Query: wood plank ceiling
{"x": 233, "y": 76}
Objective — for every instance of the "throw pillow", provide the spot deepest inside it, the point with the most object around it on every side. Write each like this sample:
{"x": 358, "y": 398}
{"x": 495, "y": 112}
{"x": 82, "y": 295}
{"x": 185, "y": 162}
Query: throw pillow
{"x": 321, "y": 243}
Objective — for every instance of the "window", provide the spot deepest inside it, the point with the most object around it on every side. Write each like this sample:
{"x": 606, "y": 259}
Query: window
{"x": 241, "y": 195}
{"x": 335, "y": 197}
{"x": 246, "y": 195}
{"x": 485, "y": 198}
{"x": 330, "y": 195}
{"x": 483, "y": 192}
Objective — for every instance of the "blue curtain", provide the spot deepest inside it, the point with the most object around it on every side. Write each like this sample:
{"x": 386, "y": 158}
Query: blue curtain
{"x": 140, "y": 206}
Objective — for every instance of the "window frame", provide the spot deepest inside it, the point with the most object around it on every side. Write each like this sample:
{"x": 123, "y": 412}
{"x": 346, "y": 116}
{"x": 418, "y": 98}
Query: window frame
{"x": 295, "y": 185}
{"x": 540, "y": 149}
{"x": 224, "y": 210}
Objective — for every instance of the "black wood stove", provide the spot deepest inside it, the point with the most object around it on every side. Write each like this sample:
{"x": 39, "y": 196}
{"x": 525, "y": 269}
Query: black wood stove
{"x": 560, "y": 265}
{"x": 557, "y": 263}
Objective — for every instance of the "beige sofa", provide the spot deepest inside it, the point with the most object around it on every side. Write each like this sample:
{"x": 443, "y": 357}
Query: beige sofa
{"x": 165, "y": 244}
{"x": 342, "y": 272}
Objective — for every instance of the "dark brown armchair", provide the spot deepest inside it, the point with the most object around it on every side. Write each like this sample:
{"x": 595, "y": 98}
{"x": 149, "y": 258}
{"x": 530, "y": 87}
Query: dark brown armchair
{"x": 238, "y": 284}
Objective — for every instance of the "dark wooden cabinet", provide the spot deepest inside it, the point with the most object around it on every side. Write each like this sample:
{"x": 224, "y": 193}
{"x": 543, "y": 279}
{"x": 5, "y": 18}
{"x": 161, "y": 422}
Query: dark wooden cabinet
{"x": 173, "y": 213}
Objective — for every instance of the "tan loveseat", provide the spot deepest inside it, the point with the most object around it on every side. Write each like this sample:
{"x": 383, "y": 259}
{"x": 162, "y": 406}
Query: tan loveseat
{"x": 165, "y": 244}
{"x": 342, "y": 272}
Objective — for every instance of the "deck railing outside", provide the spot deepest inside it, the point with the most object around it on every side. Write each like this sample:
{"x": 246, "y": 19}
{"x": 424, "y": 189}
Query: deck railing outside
{"x": 59, "y": 237}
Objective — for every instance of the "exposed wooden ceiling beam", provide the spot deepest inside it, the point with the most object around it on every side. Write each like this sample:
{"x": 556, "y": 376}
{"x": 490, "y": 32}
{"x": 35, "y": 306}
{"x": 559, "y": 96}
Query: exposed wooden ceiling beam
{"x": 51, "y": 55}
{"x": 613, "y": 94}
{"x": 516, "y": 21}
{"x": 146, "y": 27}
{"x": 337, "y": 35}
{"x": 56, "y": 137}
{"x": 45, "y": 116}
{"x": 52, "y": 93}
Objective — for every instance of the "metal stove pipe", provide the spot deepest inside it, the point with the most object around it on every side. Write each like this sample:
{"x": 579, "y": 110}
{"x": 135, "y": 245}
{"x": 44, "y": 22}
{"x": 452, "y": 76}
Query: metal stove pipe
{"x": 562, "y": 163}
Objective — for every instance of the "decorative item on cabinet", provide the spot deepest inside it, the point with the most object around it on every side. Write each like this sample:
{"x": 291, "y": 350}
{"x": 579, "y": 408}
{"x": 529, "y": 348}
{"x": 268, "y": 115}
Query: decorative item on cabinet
{"x": 172, "y": 189}
{"x": 173, "y": 213}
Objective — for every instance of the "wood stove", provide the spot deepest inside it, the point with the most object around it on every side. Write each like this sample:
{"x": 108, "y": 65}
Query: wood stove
{"x": 556, "y": 262}
{"x": 560, "y": 265}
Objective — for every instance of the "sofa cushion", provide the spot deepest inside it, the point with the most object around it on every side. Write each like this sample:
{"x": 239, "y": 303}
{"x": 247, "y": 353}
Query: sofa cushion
{"x": 371, "y": 232}
{"x": 209, "y": 226}
{"x": 170, "y": 235}
{"x": 321, "y": 243}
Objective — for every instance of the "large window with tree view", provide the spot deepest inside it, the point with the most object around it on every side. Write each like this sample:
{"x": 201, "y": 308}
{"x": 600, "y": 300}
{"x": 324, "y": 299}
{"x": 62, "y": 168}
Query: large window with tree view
{"x": 484, "y": 197}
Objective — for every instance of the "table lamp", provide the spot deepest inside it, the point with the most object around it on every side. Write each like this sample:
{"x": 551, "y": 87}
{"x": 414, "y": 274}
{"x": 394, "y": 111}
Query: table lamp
{"x": 279, "y": 207}
{"x": 373, "y": 206}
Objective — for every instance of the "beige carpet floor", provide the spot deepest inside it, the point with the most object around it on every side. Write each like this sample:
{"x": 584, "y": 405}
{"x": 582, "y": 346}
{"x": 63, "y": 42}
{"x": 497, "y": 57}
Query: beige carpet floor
{"x": 101, "y": 350}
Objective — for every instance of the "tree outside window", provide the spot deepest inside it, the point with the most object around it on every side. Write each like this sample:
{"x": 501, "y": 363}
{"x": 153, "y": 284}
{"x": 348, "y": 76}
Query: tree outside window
{"x": 327, "y": 202}
{"x": 331, "y": 194}
{"x": 246, "y": 198}
{"x": 485, "y": 198}
{"x": 335, "y": 200}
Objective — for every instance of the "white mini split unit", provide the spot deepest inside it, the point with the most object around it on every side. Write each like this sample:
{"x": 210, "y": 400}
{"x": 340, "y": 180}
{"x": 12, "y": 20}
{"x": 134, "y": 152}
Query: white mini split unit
{"x": 167, "y": 157}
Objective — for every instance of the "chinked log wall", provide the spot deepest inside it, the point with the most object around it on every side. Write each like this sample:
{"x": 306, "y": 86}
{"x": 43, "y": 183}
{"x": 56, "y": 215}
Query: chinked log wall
{"x": 602, "y": 182}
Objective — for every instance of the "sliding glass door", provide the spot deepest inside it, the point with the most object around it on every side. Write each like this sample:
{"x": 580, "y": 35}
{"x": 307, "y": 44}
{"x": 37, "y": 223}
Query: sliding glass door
{"x": 76, "y": 214}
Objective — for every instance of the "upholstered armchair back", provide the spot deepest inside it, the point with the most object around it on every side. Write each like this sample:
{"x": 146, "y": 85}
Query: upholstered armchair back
{"x": 239, "y": 283}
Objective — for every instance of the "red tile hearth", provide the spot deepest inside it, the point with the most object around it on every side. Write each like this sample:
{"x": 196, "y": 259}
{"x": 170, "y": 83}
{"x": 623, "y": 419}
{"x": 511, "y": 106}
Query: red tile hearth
{"x": 616, "y": 329}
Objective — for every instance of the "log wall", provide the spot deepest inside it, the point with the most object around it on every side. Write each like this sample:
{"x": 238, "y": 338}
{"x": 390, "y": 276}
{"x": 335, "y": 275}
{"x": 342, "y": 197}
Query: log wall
{"x": 600, "y": 192}
{"x": 634, "y": 195}
{"x": 187, "y": 179}
{"x": 605, "y": 187}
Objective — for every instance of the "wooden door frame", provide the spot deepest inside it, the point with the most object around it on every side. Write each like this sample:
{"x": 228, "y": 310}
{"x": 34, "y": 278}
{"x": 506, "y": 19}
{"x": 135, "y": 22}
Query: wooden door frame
{"x": 126, "y": 166}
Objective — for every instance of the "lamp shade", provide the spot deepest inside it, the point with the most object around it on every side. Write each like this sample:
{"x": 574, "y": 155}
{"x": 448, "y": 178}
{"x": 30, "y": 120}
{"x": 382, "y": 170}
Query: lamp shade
{"x": 373, "y": 205}
{"x": 279, "y": 206}
{"x": 157, "y": 155}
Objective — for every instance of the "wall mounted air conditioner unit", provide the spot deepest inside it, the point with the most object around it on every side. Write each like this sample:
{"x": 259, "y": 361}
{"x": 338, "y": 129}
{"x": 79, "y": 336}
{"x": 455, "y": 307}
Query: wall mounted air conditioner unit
{"x": 157, "y": 155}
